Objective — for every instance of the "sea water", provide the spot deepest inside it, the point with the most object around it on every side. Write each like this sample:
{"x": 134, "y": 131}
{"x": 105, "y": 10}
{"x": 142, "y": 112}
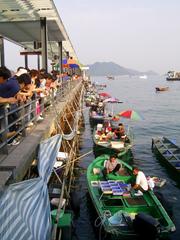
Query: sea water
{"x": 160, "y": 112}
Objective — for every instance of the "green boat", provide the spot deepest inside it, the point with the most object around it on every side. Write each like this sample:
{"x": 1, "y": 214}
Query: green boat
{"x": 113, "y": 146}
{"x": 123, "y": 214}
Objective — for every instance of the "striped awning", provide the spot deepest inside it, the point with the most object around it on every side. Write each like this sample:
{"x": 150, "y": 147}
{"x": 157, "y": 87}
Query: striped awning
{"x": 24, "y": 206}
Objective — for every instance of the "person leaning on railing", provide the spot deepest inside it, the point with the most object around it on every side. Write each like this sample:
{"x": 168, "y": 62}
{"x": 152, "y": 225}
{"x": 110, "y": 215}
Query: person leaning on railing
{"x": 12, "y": 87}
{"x": 9, "y": 87}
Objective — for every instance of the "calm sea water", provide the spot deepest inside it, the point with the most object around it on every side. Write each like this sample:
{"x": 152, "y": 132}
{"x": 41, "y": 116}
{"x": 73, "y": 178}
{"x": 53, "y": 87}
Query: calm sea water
{"x": 161, "y": 117}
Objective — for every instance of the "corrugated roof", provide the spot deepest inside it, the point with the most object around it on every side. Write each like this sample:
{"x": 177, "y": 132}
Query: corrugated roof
{"x": 20, "y": 22}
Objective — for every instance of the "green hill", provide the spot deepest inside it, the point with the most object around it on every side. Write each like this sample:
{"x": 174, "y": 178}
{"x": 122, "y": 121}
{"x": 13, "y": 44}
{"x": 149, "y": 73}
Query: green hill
{"x": 113, "y": 69}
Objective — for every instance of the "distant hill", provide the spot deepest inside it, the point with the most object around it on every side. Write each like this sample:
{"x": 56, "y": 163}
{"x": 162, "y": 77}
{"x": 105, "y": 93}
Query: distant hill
{"x": 111, "y": 68}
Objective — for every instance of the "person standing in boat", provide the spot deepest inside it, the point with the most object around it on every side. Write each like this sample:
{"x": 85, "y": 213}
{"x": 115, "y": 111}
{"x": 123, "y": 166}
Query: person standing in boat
{"x": 141, "y": 183}
{"x": 111, "y": 166}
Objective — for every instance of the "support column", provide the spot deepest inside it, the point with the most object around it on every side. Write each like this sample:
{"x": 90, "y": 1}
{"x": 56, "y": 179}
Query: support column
{"x": 2, "y": 51}
{"x": 44, "y": 43}
{"x": 60, "y": 57}
{"x": 26, "y": 60}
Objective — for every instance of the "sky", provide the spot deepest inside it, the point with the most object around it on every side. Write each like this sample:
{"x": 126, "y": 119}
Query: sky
{"x": 138, "y": 34}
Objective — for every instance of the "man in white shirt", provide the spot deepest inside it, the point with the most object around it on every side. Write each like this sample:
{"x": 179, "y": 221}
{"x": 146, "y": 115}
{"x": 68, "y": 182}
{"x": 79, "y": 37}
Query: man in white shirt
{"x": 141, "y": 181}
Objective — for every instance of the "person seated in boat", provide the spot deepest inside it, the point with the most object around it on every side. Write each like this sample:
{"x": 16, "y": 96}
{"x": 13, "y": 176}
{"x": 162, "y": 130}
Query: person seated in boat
{"x": 120, "y": 132}
{"x": 111, "y": 135}
{"x": 93, "y": 108}
{"x": 141, "y": 183}
{"x": 111, "y": 166}
{"x": 100, "y": 108}
{"x": 115, "y": 118}
{"x": 103, "y": 136}
{"x": 99, "y": 132}
{"x": 107, "y": 127}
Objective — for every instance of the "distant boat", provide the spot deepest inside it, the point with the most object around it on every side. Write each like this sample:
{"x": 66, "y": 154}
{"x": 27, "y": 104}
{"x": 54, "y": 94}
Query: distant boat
{"x": 143, "y": 76}
{"x": 173, "y": 76}
{"x": 110, "y": 77}
{"x": 159, "y": 89}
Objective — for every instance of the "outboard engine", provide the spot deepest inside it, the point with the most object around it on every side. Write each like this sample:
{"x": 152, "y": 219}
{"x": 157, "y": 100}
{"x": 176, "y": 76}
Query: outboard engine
{"x": 146, "y": 226}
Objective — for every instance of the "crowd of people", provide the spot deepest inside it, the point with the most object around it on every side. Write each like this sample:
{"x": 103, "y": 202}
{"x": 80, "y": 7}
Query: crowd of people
{"x": 23, "y": 86}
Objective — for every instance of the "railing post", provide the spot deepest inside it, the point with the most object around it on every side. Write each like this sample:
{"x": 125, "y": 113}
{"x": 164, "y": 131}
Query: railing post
{"x": 23, "y": 120}
{"x": 42, "y": 107}
{"x": 4, "y": 125}
{"x": 62, "y": 86}
{"x": 33, "y": 107}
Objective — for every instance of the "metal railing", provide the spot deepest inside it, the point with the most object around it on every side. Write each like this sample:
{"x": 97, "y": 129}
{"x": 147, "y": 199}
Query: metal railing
{"x": 15, "y": 118}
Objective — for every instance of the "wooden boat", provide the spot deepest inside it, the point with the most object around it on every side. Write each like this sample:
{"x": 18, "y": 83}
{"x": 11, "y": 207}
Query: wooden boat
{"x": 143, "y": 77}
{"x": 101, "y": 85}
{"x": 159, "y": 89}
{"x": 173, "y": 76}
{"x": 168, "y": 152}
{"x": 123, "y": 214}
{"x": 96, "y": 117}
{"x": 110, "y": 77}
{"x": 112, "y": 145}
{"x": 97, "y": 113}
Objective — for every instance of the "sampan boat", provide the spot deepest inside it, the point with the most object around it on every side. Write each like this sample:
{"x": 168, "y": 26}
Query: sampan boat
{"x": 161, "y": 89}
{"x": 167, "y": 151}
{"x": 123, "y": 214}
{"x": 112, "y": 145}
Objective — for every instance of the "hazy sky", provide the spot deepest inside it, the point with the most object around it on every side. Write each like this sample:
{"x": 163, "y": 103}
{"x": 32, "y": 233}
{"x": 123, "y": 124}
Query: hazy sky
{"x": 139, "y": 34}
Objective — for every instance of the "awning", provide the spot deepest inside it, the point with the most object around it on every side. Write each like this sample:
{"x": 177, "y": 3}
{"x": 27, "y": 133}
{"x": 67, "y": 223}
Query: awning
{"x": 20, "y": 22}
{"x": 24, "y": 206}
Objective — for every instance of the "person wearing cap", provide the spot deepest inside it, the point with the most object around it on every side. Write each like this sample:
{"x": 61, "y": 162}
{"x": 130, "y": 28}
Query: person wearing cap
{"x": 20, "y": 71}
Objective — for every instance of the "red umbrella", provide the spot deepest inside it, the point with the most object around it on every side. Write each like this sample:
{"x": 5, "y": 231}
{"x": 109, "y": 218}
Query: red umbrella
{"x": 104, "y": 94}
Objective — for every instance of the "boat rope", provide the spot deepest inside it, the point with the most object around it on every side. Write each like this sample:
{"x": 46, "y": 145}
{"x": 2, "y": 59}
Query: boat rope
{"x": 99, "y": 223}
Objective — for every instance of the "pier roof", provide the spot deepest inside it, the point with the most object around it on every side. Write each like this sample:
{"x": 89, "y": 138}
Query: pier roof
{"x": 20, "y": 22}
